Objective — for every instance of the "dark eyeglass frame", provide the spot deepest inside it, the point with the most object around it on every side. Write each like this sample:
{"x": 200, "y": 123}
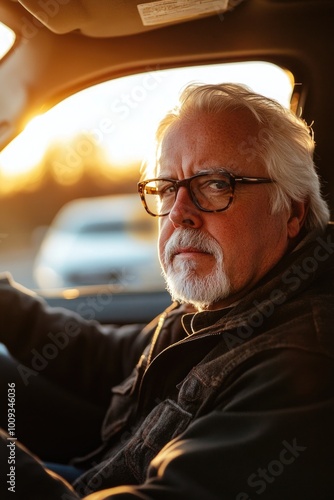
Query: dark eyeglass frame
{"x": 233, "y": 180}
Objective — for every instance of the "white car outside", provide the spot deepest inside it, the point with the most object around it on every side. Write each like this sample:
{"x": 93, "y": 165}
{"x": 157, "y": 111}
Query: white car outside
{"x": 104, "y": 240}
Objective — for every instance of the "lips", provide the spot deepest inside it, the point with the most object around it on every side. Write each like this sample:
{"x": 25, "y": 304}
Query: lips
{"x": 181, "y": 251}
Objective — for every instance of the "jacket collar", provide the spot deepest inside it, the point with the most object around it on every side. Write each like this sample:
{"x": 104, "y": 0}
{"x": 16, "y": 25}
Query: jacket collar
{"x": 295, "y": 272}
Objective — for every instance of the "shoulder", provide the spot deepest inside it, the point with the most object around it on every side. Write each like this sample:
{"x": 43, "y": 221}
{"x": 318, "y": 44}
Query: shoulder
{"x": 279, "y": 378}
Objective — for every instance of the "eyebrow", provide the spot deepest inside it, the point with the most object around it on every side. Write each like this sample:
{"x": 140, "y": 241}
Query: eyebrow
{"x": 214, "y": 170}
{"x": 211, "y": 170}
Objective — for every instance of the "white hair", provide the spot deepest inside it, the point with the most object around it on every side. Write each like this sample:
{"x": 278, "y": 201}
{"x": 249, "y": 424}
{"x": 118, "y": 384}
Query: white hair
{"x": 284, "y": 142}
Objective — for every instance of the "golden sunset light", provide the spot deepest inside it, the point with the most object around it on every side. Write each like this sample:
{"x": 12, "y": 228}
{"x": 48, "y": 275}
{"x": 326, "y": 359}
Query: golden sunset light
{"x": 120, "y": 117}
{"x": 7, "y": 39}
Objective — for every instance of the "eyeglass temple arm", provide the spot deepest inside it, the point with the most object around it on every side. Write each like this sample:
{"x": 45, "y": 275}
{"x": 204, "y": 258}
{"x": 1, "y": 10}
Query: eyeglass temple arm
{"x": 254, "y": 180}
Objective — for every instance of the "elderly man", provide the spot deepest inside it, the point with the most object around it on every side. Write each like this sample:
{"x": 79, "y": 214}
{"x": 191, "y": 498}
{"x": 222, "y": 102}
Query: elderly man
{"x": 229, "y": 393}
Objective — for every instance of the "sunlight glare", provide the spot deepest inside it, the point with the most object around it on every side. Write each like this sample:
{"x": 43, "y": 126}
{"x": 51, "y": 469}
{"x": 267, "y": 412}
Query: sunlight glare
{"x": 7, "y": 39}
{"x": 132, "y": 137}
{"x": 121, "y": 116}
{"x": 25, "y": 152}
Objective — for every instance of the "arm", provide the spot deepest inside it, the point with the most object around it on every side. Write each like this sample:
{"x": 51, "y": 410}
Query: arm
{"x": 71, "y": 351}
{"x": 270, "y": 436}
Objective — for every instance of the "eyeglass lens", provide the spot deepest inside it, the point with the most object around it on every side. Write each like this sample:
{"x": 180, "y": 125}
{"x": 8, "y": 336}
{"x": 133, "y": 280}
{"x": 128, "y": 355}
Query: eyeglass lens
{"x": 208, "y": 191}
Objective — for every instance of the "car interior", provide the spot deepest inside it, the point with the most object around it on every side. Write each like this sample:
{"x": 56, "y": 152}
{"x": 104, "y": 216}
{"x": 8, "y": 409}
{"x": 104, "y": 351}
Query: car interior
{"x": 123, "y": 63}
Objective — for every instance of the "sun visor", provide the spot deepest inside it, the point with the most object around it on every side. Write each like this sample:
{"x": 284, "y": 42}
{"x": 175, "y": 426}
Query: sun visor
{"x": 110, "y": 18}
{"x": 21, "y": 68}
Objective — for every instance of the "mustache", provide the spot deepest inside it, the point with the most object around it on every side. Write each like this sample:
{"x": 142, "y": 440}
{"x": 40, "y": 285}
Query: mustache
{"x": 184, "y": 238}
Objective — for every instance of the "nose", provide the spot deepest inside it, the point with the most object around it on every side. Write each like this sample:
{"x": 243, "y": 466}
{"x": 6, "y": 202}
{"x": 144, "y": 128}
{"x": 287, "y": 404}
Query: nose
{"x": 184, "y": 212}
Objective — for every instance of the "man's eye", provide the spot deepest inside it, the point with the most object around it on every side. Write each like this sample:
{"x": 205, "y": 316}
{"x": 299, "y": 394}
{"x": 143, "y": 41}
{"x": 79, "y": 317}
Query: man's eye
{"x": 220, "y": 185}
{"x": 216, "y": 185}
{"x": 167, "y": 190}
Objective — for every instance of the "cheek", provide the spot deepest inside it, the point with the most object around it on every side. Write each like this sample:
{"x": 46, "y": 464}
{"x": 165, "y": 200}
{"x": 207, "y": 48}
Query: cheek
{"x": 228, "y": 236}
{"x": 238, "y": 242}
{"x": 165, "y": 232}
{"x": 253, "y": 248}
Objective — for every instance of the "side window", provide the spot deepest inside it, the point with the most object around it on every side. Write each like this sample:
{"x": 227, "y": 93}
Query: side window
{"x": 7, "y": 39}
{"x": 69, "y": 212}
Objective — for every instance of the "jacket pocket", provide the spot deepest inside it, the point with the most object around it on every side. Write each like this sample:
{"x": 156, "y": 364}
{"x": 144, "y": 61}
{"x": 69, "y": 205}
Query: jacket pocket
{"x": 120, "y": 408}
{"x": 166, "y": 421}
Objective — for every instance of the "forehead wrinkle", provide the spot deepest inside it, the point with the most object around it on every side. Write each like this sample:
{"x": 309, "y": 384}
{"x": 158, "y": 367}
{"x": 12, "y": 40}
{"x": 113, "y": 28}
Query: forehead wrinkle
{"x": 210, "y": 170}
{"x": 171, "y": 157}
{"x": 234, "y": 127}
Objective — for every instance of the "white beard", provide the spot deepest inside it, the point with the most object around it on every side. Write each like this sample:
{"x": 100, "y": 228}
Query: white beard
{"x": 183, "y": 282}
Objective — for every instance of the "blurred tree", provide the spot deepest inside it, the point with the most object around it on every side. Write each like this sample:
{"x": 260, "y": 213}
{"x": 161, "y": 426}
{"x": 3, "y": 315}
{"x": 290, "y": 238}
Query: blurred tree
{"x": 70, "y": 169}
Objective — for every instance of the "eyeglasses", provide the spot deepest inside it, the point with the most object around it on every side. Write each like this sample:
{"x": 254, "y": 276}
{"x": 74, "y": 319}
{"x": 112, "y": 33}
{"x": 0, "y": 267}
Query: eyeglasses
{"x": 210, "y": 192}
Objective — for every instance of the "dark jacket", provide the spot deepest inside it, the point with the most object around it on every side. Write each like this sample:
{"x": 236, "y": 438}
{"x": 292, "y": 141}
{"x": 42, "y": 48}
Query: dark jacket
{"x": 231, "y": 404}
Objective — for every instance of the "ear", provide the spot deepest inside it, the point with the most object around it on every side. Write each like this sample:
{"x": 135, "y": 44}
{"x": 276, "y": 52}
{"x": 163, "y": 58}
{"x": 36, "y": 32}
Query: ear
{"x": 297, "y": 217}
